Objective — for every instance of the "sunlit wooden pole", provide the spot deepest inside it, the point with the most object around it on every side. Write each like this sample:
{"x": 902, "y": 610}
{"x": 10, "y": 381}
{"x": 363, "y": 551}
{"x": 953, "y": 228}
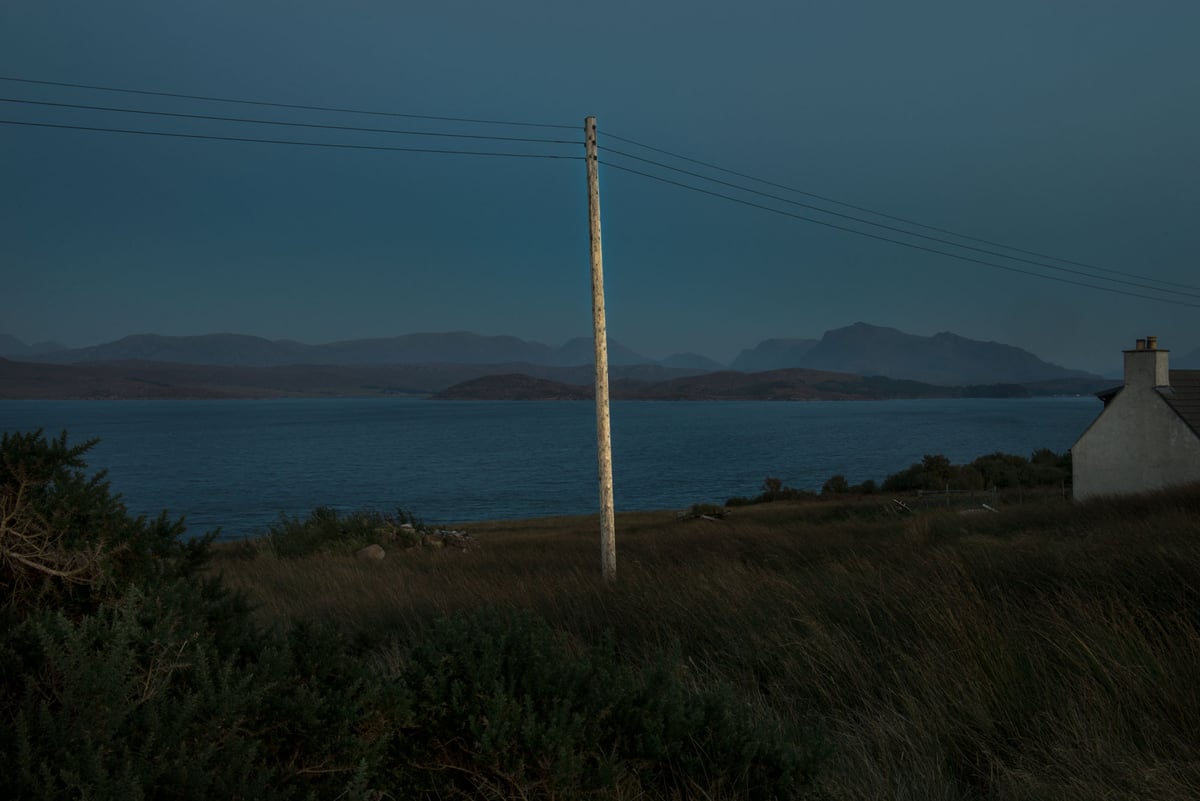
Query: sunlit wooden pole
{"x": 608, "y": 538}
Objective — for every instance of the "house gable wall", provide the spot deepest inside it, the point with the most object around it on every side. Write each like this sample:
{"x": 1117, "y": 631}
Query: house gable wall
{"x": 1137, "y": 444}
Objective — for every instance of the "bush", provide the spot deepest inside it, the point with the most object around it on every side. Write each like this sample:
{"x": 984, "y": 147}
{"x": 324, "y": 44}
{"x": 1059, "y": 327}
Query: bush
{"x": 504, "y": 708}
{"x": 125, "y": 703}
{"x": 128, "y": 674}
{"x": 836, "y": 485}
{"x": 66, "y": 538}
{"x": 995, "y": 470}
{"x": 175, "y": 694}
{"x": 1004, "y": 470}
{"x": 324, "y": 530}
{"x": 773, "y": 490}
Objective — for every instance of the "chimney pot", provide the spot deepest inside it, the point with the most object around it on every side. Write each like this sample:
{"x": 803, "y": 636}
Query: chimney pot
{"x": 1140, "y": 345}
{"x": 1151, "y": 343}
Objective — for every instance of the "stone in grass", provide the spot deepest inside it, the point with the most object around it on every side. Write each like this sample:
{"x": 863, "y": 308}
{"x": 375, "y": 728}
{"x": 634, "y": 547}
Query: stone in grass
{"x": 456, "y": 539}
{"x": 372, "y": 553}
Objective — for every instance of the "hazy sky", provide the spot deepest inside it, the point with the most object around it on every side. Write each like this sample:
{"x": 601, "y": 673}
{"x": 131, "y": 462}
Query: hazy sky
{"x": 1066, "y": 128}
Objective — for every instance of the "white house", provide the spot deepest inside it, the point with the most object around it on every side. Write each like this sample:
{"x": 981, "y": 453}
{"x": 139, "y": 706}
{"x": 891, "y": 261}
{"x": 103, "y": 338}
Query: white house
{"x": 1147, "y": 435}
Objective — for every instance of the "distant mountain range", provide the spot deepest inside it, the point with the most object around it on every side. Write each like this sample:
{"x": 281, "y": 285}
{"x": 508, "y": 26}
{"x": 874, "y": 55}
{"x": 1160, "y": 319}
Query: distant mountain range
{"x": 241, "y": 350}
{"x": 945, "y": 359}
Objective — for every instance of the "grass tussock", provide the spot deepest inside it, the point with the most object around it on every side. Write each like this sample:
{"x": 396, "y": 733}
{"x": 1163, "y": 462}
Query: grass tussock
{"x": 1045, "y": 652}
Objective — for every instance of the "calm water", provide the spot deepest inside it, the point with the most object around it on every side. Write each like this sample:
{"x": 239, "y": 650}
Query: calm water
{"x": 239, "y": 464}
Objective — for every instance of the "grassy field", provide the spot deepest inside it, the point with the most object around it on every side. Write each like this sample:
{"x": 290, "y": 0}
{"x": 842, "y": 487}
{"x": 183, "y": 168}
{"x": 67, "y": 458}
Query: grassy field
{"x": 1048, "y": 651}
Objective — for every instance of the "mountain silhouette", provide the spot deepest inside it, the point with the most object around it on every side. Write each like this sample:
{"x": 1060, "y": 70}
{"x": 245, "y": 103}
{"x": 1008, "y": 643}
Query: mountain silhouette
{"x": 944, "y": 359}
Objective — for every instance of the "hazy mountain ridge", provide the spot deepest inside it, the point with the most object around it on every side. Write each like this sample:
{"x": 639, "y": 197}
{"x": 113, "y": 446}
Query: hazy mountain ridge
{"x": 944, "y": 359}
{"x": 13, "y": 348}
{"x": 243, "y": 350}
{"x": 774, "y": 354}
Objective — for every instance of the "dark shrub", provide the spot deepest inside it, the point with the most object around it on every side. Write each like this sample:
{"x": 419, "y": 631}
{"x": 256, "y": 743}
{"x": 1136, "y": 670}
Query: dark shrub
{"x": 128, "y": 674}
{"x": 836, "y": 485}
{"x": 905, "y": 481}
{"x": 504, "y": 708}
{"x": 174, "y": 695}
{"x": 66, "y": 537}
{"x": 1004, "y": 470}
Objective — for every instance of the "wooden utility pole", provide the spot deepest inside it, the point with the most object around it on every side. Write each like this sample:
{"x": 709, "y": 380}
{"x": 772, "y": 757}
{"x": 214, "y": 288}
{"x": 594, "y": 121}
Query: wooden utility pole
{"x": 608, "y": 537}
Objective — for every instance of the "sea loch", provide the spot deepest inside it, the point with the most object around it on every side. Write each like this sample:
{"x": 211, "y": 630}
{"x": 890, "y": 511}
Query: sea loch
{"x": 238, "y": 464}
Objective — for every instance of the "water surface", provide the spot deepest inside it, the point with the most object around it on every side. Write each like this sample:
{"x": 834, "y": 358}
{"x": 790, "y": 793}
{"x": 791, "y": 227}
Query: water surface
{"x": 239, "y": 464}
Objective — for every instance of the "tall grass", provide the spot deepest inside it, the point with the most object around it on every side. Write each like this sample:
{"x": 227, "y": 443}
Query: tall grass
{"x": 1046, "y": 652}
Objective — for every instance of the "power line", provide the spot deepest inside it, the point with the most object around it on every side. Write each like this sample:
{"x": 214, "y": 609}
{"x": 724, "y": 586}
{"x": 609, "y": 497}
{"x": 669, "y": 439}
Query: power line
{"x": 576, "y": 142}
{"x": 284, "y": 105}
{"x": 293, "y": 142}
{"x": 881, "y": 238}
{"x": 636, "y": 143}
{"x": 896, "y": 229}
{"x": 904, "y": 220}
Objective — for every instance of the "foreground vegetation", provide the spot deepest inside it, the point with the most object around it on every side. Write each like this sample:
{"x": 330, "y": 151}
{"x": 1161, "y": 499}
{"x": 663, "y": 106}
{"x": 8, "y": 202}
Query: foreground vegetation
{"x": 838, "y": 649}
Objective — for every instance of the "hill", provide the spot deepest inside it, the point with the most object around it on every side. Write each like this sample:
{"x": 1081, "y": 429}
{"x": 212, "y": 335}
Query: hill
{"x": 515, "y": 386}
{"x": 787, "y": 385}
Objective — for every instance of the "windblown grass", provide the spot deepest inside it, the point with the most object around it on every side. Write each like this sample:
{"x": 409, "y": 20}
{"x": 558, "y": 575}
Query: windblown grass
{"x": 1046, "y": 652}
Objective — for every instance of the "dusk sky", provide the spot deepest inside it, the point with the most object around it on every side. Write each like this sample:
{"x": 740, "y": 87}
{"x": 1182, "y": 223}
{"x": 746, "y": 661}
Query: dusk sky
{"x": 1069, "y": 129}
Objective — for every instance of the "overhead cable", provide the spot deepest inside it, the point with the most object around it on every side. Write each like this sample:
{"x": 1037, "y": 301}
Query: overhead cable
{"x": 896, "y": 229}
{"x": 284, "y": 105}
{"x": 881, "y": 238}
{"x": 893, "y": 217}
{"x": 290, "y": 124}
{"x": 293, "y": 142}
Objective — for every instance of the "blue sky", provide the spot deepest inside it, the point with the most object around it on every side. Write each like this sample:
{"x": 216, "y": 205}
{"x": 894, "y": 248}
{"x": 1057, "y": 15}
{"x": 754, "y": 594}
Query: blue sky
{"x": 1066, "y": 128}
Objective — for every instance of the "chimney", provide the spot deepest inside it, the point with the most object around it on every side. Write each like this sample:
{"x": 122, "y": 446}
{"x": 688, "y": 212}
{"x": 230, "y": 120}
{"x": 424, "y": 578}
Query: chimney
{"x": 1147, "y": 367}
